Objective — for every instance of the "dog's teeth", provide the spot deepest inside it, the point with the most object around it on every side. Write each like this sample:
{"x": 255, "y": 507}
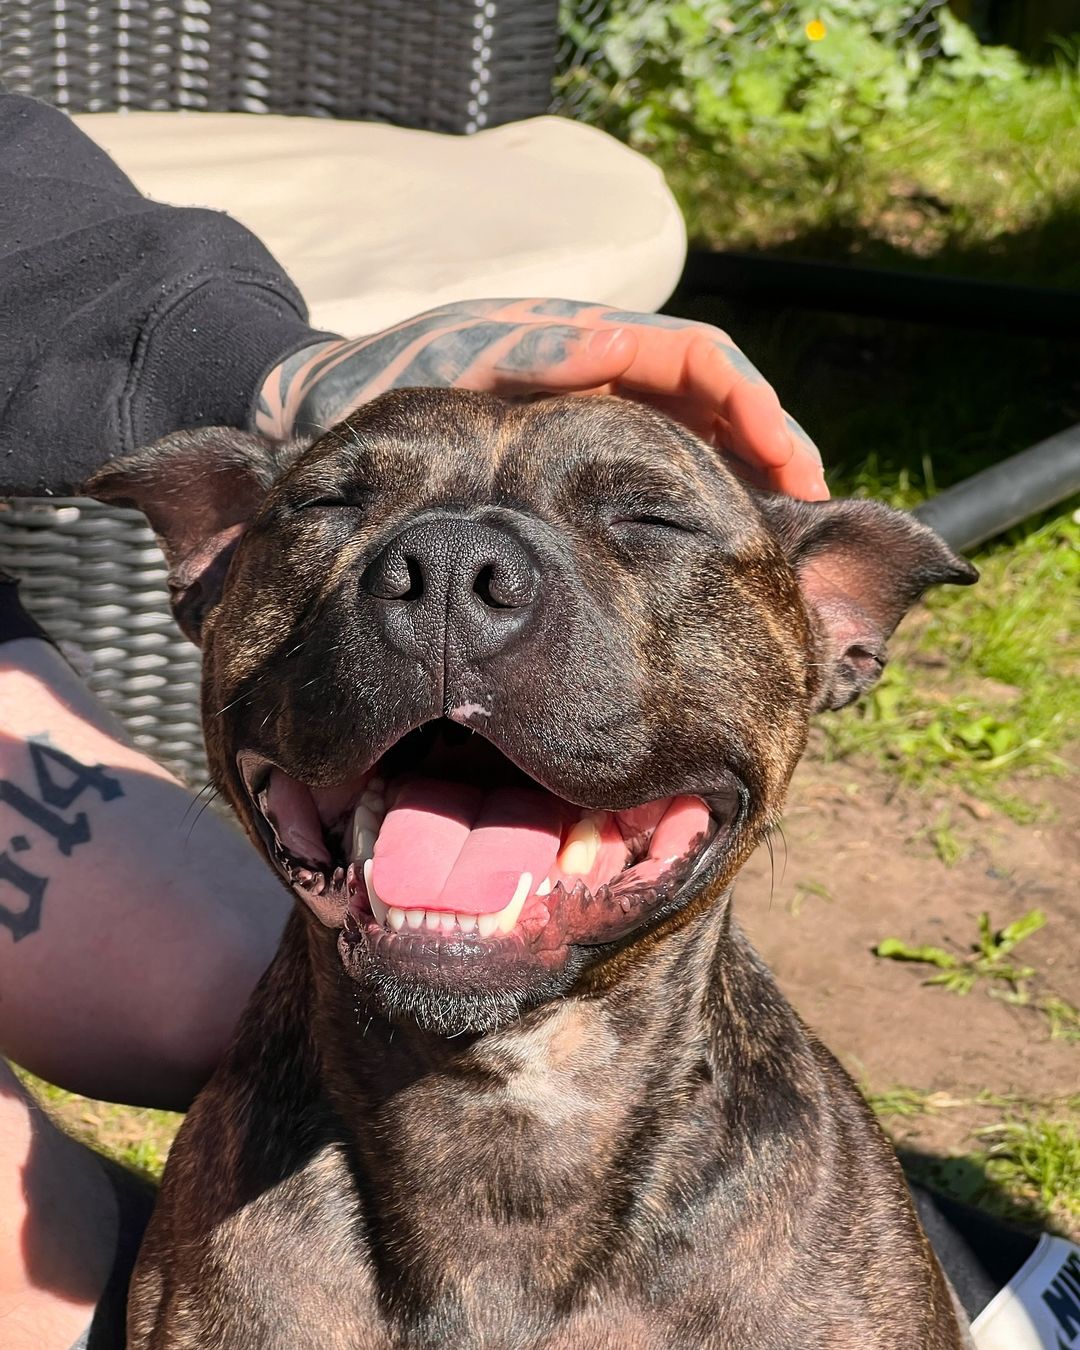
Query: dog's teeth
{"x": 545, "y": 887}
{"x": 375, "y": 803}
{"x": 449, "y": 922}
{"x": 466, "y": 922}
{"x": 509, "y": 916}
{"x": 396, "y": 918}
{"x": 365, "y": 818}
{"x": 414, "y": 918}
{"x": 365, "y": 829}
{"x": 376, "y": 783}
{"x": 578, "y": 854}
{"x": 433, "y": 920}
{"x": 377, "y": 907}
{"x": 486, "y": 924}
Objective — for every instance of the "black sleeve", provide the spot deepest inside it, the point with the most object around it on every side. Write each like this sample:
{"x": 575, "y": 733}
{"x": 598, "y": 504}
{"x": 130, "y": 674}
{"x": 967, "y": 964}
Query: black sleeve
{"x": 122, "y": 319}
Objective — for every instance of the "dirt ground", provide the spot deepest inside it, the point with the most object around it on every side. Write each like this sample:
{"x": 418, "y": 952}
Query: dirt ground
{"x": 854, "y": 866}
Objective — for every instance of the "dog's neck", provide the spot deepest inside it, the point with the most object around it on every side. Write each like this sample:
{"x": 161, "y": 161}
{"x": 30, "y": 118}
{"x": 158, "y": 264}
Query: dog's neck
{"x": 578, "y": 1121}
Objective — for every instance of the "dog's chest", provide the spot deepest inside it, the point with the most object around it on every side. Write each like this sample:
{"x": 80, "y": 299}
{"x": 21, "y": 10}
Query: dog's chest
{"x": 307, "y": 1263}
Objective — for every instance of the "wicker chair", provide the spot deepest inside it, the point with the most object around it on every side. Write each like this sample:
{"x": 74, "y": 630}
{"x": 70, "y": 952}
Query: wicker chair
{"x": 93, "y": 575}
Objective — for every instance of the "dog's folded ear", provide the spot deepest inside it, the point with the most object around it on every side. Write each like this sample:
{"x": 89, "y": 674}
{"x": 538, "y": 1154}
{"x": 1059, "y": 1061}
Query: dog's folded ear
{"x": 861, "y": 566}
{"x": 198, "y": 489}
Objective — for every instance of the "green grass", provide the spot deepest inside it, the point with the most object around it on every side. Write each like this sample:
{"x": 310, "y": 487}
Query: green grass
{"x": 1025, "y": 1166}
{"x": 1038, "y": 1159}
{"x": 984, "y": 185}
{"x": 138, "y": 1138}
{"x": 988, "y": 691}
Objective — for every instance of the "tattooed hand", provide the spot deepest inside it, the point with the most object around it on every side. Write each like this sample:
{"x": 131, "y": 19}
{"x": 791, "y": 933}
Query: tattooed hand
{"x": 691, "y": 371}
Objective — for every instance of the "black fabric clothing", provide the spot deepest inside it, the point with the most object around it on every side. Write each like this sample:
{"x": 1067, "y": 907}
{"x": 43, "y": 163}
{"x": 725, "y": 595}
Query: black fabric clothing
{"x": 120, "y": 319}
{"x": 15, "y": 622}
{"x": 978, "y": 1253}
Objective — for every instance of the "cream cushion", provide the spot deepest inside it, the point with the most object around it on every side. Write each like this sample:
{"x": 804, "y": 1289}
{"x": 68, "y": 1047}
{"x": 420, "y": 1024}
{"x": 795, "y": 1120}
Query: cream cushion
{"x": 375, "y": 223}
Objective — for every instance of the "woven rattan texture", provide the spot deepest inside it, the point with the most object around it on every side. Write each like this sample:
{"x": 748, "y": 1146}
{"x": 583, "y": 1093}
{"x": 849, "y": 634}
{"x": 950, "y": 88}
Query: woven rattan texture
{"x": 443, "y": 65}
{"x": 94, "y": 578}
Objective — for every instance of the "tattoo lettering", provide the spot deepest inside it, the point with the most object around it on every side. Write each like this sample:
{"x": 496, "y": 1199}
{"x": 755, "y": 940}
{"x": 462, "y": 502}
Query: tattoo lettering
{"x": 23, "y": 921}
{"x": 61, "y": 780}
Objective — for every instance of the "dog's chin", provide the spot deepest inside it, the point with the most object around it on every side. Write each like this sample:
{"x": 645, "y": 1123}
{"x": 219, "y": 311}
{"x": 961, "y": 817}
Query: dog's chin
{"x": 468, "y": 995}
{"x": 466, "y": 892}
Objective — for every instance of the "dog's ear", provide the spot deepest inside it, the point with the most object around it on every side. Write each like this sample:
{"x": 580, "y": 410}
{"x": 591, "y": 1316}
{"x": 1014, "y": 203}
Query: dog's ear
{"x": 861, "y": 566}
{"x": 198, "y": 489}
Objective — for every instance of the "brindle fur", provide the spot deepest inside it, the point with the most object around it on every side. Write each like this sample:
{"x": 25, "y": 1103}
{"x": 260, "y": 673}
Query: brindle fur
{"x": 647, "y": 1148}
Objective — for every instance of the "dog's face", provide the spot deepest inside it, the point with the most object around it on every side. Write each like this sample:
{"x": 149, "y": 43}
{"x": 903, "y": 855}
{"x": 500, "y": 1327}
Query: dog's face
{"x": 503, "y": 688}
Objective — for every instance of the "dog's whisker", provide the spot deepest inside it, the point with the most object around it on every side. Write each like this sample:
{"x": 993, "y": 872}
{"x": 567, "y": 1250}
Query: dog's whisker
{"x": 215, "y": 794}
{"x": 208, "y": 786}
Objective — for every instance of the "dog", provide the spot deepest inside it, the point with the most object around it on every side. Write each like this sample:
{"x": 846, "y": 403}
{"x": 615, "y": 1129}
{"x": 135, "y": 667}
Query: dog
{"x": 507, "y": 693}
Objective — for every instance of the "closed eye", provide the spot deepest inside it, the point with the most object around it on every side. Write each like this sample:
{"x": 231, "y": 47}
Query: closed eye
{"x": 651, "y": 521}
{"x": 333, "y": 503}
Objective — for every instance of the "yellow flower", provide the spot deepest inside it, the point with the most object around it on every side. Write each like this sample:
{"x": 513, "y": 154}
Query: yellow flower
{"x": 815, "y": 30}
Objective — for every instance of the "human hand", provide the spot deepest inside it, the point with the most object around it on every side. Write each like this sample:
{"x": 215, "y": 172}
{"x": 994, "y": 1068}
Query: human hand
{"x": 693, "y": 372}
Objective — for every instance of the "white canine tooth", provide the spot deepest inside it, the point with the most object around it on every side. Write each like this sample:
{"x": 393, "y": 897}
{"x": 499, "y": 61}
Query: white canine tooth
{"x": 545, "y": 887}
{"x": 578, "y": 854}
{"x": 414, "y": 918}
{"x": 364, "y": 828}
{"x": 510, "y": 915}
{"x": 377, "y": 907}
{"x": 486, "y": 924}
{"x": 375, "y": 803}
{"x": 466, "y": 922}
{"x": 396, "y": 918}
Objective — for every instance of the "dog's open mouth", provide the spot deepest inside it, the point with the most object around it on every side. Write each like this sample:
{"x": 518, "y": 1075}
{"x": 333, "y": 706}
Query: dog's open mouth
{"x": 444, "y": 846}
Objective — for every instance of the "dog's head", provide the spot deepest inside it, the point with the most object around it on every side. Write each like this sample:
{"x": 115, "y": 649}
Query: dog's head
{"x": 502, "y": 688}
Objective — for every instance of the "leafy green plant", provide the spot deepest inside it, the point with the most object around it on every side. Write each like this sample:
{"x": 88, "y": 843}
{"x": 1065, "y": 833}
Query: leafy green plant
{"x": 986, "y": 961}
{"x": 709, "y": 72}
{"x": 946, "y": 843}
{"x": 1064, "y": 1018}
{"x": 987, "y": 964}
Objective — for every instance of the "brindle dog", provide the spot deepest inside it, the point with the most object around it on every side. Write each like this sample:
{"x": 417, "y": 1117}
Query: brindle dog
{"x": 589, "y": 1119}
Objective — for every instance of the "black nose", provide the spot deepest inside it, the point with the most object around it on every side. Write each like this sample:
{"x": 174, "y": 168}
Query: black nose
{"x": 453, "y": 587}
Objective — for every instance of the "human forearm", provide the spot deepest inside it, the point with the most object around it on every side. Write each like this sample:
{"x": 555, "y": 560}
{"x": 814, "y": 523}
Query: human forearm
{"x": 133, "y": 927}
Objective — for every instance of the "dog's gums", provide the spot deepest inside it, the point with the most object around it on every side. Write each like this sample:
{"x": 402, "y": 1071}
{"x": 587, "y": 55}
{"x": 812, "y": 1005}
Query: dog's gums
{"x": 444, "y": 850}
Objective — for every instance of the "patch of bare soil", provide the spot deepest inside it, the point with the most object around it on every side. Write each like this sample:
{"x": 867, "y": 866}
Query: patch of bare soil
{"x": 856, "y": 865}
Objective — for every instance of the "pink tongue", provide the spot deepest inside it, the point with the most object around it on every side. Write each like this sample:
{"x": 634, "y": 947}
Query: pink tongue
{"x": 451, "y": 846}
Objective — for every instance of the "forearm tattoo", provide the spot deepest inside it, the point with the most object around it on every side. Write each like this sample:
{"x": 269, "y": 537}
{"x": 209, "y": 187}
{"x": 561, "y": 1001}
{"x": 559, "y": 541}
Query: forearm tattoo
{"x": 45, "y": 822}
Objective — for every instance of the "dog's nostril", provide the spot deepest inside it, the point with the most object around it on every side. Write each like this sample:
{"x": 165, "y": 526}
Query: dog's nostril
{"x": 505, "y": 587}
{"x": 394, "y": 575}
